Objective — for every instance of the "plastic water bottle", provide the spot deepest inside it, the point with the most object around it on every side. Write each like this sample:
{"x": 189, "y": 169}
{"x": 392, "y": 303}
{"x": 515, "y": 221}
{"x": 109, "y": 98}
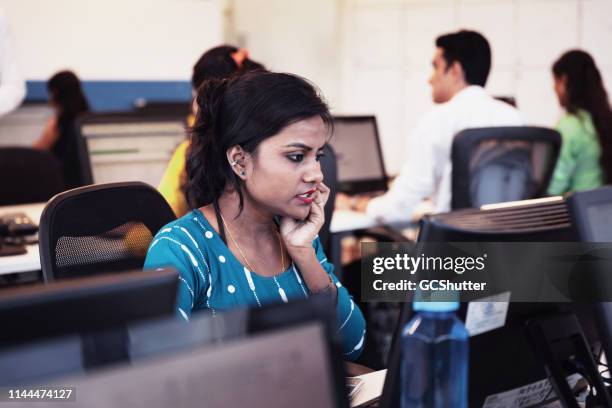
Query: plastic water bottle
{"x": 434, "y": 369}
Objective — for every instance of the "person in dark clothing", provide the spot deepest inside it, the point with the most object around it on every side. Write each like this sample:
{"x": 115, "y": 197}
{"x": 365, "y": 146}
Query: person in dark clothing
{"x": 68, "y": 101}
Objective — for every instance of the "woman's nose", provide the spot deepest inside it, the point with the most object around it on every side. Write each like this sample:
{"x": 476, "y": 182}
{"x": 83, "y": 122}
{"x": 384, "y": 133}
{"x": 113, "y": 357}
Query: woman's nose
{"x": 314, "y": 175}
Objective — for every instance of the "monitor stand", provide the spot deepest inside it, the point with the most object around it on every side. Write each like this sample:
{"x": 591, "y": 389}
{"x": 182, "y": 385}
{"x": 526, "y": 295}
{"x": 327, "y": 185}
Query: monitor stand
{"x": 561, "y": 345}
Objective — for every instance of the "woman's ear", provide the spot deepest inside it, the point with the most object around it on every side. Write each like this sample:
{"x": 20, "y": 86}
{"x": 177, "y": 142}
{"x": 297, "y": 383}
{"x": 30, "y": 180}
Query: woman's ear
{"x": 237, "y": 157}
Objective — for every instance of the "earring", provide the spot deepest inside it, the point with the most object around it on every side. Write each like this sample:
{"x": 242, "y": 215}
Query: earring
{"x": 242, "y": 173}
{"x": 233, "y": 163}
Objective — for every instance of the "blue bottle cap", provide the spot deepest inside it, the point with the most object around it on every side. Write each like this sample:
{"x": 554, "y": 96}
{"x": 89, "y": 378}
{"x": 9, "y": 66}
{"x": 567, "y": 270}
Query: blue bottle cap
{"x": 435, "y": 306}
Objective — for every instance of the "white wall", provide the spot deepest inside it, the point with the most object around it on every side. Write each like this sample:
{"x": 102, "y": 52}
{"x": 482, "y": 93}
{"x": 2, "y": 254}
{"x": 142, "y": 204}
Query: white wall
{"x": 367, "y": 56}
{"x": 388, "y": 46}
{"x": 113, "y": 39}
{"x": 298, "y": 36}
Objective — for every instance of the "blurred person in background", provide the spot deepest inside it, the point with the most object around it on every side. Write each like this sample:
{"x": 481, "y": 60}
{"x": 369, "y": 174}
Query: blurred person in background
{"x": 217, "y": 63}
{"x": 68, "y": 102}
{"x": 585, "y": 160}
{"x": 461, "y": 65}
{"x": 12, "y": 85}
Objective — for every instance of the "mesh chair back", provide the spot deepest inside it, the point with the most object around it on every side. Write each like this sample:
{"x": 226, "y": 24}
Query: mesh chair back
{"x": 100, "y": 228}
{"x": 494, "y": 165}
{"x": 28, "y": 175}
{"x": 329, "y": 167}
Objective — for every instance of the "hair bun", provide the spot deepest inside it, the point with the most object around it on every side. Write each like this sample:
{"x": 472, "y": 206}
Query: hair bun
{"x": 209, "y": 98}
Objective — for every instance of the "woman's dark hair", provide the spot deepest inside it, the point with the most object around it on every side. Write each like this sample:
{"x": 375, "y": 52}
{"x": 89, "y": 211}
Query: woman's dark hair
{"x": 65, "y": 91}
{"x": 218, "y": 63}
{"x": 471, "y": 50}
{"x": 243, "y": 110}
{"x": 584, "y": 89}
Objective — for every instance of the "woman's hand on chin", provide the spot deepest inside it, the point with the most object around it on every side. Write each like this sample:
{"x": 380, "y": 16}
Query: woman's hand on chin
{"x": 298, "y": 235}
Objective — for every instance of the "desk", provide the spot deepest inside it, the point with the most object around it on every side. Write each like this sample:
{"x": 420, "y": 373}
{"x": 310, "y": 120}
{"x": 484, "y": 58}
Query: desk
{"x": 343, "y": 223}
{"x": 29, "y": 261}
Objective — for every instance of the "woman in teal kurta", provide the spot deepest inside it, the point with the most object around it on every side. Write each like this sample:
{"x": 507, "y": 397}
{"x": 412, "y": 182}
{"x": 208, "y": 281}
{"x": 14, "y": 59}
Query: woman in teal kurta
{"x": 256, "y": 185}
{"x": 212, "y": 278}
{"x": 585, "y": 159}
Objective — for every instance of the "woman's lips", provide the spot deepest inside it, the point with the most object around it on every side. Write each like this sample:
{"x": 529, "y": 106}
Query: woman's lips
{"x": 307, "y": 196}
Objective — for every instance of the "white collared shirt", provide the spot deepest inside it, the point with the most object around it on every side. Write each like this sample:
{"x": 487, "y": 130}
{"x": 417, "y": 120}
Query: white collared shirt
{"x": 12, "y": 85}
{"x": 427, "y": 169}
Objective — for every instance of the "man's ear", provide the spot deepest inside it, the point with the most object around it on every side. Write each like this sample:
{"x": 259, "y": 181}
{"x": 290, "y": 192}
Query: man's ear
{"x": 237, "y": 158}
{"x": 457, "y": 71}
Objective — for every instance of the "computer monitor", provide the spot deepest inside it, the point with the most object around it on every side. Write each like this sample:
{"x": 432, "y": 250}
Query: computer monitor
{"x": 361, "y": 167}
{"x": 591, "y": 213}
{"x": 547, "y": 221}
{"x": 148, "y": 339}
{"x": 288, "y": 367}
{"x": 127, "y": 146}
{"x": 167, "y": 339}
{"x": 84, "y": 305}
{"x": 502, "y": 359}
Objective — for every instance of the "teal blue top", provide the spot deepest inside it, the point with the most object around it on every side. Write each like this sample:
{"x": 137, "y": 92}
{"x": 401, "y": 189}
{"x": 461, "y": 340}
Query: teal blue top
{"x": 578, "y": 164}
{"x": 212, "y": 278}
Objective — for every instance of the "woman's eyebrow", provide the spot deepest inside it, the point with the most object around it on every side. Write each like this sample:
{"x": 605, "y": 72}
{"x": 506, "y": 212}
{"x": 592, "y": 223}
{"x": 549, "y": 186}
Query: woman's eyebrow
{"x": 299, "y": 146}
{"x": 303, "y": 146}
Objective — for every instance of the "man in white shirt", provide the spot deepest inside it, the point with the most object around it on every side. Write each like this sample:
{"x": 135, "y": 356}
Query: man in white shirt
{"x": 461, "y": 66}
{"x": 12, "y": 86}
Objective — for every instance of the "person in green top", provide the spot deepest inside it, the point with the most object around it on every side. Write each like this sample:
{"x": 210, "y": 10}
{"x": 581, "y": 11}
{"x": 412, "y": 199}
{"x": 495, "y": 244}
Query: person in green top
{"x": 585, "y": 160}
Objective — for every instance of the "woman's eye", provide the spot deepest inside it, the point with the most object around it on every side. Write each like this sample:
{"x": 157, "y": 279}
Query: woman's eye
{"x": 296, "y": 157}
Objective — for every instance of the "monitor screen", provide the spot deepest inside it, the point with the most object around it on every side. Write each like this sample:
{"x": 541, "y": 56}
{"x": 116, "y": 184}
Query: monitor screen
{"x": 128, "y": 149}
{"x": 285, "y": 368}
{"x": 357, "y": 149}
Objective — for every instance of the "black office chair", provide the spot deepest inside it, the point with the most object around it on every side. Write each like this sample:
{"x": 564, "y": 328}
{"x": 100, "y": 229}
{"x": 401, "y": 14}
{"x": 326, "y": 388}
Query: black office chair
{"x": 79, "y": 164}
{"x": 499, "y": 164}
{"x": 28, "y": 175}
{"x": 100, "y": 228}
{"x": 329, "y": 167}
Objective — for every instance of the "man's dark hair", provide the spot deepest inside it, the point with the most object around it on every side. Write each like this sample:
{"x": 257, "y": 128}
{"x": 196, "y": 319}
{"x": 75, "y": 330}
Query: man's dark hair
{"x": 471, "y": 50}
